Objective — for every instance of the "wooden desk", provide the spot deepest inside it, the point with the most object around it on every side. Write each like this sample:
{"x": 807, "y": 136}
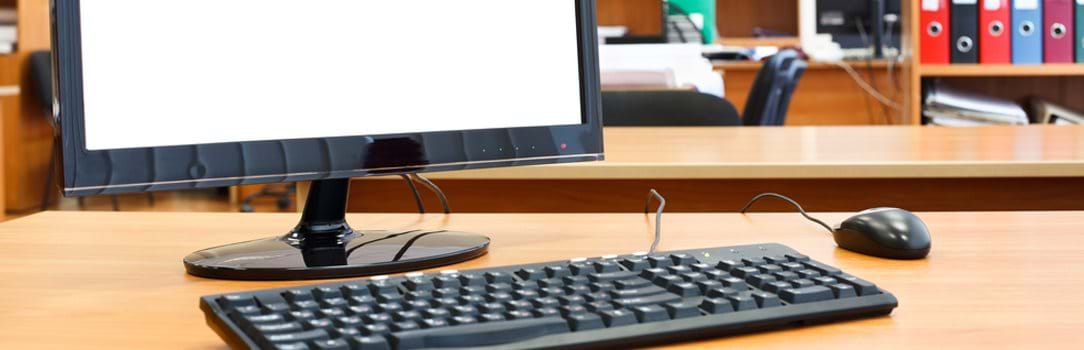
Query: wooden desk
{"x": 115, "y": 280}
{"x": 826, "y": 168}
{"x": 826, "y": 95}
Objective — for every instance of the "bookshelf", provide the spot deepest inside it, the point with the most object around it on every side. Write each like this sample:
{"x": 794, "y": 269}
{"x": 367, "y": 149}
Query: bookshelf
{"x": 1057, "y": 83}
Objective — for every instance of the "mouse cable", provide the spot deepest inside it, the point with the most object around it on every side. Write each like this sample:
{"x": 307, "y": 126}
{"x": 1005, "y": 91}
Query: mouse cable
{"x": 788, "y": 200}
{"x": 414, "y": 189}
{"x": 436, "y": 189}
{"x": 653, "y": 194}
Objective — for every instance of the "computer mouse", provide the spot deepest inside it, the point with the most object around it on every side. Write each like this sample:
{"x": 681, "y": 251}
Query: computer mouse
{"x": 885, "y": 232}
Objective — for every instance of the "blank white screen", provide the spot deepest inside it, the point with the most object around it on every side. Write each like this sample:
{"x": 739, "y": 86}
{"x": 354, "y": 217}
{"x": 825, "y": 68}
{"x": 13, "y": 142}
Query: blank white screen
{"x": 181, "y": 72}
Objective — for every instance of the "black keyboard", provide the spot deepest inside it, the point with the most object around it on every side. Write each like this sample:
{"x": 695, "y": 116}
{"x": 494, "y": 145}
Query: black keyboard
{"x": 610, "y": 301}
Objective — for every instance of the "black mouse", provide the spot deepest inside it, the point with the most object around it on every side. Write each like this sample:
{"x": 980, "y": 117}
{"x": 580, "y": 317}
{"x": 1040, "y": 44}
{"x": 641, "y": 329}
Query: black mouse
{"x": 885, "y": 232}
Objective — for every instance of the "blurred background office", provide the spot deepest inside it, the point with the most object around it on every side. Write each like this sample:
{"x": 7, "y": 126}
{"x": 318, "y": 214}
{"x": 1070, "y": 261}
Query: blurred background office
{"x": 792, "y": 68}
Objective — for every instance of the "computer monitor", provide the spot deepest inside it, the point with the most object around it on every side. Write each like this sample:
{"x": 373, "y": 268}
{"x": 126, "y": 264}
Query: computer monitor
{"x": 185, "y": 94}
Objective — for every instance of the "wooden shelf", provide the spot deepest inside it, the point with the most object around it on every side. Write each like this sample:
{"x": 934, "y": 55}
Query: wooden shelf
{"x": 979, "y": 70}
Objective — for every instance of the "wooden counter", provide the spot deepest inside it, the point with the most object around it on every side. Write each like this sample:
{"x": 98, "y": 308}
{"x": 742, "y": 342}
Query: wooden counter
{"x": 827, "y": 168}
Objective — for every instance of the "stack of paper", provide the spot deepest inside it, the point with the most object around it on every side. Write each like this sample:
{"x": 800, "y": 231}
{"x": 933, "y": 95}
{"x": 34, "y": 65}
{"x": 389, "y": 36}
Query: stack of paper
{"x": 8, "y": 34}
{"x": 661, "y": 65}
{"x": 950, "y": 107}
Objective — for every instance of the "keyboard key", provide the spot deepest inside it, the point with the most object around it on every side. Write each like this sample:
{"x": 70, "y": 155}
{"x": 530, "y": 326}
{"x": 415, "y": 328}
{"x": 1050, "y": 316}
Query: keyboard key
{"x": 472, "y": 280}
{"x": 376, "y": 318}
{"x": 530, "y": 274}
{"x": 499, "y": 287}
{"x": 806, "y": 295}
{"x": 654, "y": 273}
{"x": 793, "y": 267}
{"x": 581, "y": 268}
{"x": 776, "y": 287}
{"x": 701, "y": 267}
{"x": 631, "y": 283}
{"x": 753, "y": 261}
{"x": 660, "y": 261}
{"x": 296, "y": 295}
{"x": 760, "y": 280}
{"x": 278, "y": 328}
{"x": 458, "y": 320}
{"x": 317, "y": 324}
{"x": 376, "y": 343}
{"x": 677, "y": 270}
{"x": 716, "y": 274}
{"x": 550, "y": 283}
{"x": 766, "y": 300}
{"x": 446, "y": 293}
{"x": 822, "y": 268}
{"x": 617, "y": 318}
{"x": 683, "y": 259}
{"x": 513, "y": 305}
{"x": 744, "y": 272}
{"x": 650, "y": 313}
{"x": 557, "y": 271}
{"x": 785, "y": 276}
{"x": 599, "y": 306}
{"x": 863, "y": 287}
{"x": 684, "y": 290}
{"x": 569, "y": 310}
{"x": 330, "y": 344}
{"x": 576, "y": 280}
{"x": 795, "y": 257}
{"x": 693, "y": 277}
{"x": 327, "y": 293}
{"x": 843, "y": 291}
{"x": 546, "y": 312}
{"x": 721, "y": 292}
{"x": 347, "y": 321}
{"x": 330, "y": 313}
{"x": 802, "y": 283}
{"x": 716, "y": 306}
{"x": 571, "y": 300}
{"x": 585, "y": 322}
{"x": 499, "y": 277}
{"x": 375, "y": 330}
{"x": 705, "y": 286}
{"x": 488, "y": 318}
{"x": 464, "y": 310}
{"x": 234, "y": 301}
{"x": 824, "y": 281}
{"x": 808, "y": 274}
{"x": 729, "y": 265}
{"x": 611, "y": 276}
{"x": 603, "y": 287}
{"x": 545, "y": 302}
{"x": 628, "y": 303}
{"x": 770, "y": 268}
{"x": 297, "y": 337}
{"x": 736, "y": 283}
{"x": 404, "y": 326}
{"x": 778, "y": 259}
{"x": 492, "y": 308}
{"x": 577, "y": 290}
{"x": 742, "y": 302}
{"x": 433, "y": 323}
{"x": 518, "y": 315}
{"x": 635, "y": 264}
{"x": 667, "y": 281}
{"x": 447, "y": 282}
{"x": 606, "y": 266}
{"x": 639, "y": 292}
{"x": 682, "y": 310}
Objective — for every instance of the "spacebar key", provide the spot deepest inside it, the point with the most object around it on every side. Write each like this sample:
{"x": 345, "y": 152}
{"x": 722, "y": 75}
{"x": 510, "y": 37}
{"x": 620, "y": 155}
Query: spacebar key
{"x": 482, "y": 334}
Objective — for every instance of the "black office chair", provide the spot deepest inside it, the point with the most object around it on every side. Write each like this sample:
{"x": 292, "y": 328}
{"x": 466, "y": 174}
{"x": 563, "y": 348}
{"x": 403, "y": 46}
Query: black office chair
{"x": 792, "y": 76}
{"x": 41, "y": 82}
{"x": 764, "y": 106}
{"x": 666, "y": 108}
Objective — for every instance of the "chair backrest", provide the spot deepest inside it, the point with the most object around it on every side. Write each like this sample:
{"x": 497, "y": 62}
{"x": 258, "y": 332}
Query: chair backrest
{"x": 666, "y": 108}
{"x": 762, "y": 103}
{"x": 792, "y": 76}
{"x": 41, "y": 78}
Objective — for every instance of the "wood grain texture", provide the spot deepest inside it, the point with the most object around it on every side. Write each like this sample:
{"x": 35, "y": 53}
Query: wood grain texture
{"x": 826, "y": 95}
{"x": 115, "y": 280}
{"x": 727, "y": 196}
{"x": 641, "y": 17}
{"x": 28, "y": 137}
{"x": 819, "y": 153}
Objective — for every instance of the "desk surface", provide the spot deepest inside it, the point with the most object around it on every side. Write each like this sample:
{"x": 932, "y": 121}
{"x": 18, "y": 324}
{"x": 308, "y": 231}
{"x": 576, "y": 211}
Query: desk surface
{"x": 820, "y": 153}
{"x": 115, "y": 280}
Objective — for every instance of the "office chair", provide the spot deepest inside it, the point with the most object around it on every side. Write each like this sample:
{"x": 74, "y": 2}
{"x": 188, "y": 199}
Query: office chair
{"x": 41, "y": 83}
{"x": 666, "y": 108}
{"x": 764, "y": 102}
{"x": 792, "y": 76}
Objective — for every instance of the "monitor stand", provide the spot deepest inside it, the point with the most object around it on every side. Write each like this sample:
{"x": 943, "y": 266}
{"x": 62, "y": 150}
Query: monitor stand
{"x": 324, "y": 246}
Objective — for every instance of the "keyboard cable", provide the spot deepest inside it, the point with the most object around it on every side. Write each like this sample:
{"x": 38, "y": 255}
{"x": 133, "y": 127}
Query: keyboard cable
{"x": 412, "y": 178}
{"x": 653, "y": 194}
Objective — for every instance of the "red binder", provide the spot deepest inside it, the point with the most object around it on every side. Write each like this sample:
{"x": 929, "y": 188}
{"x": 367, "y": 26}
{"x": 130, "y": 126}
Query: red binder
{"x": 995, "y": 32}
{"x": 934, "y": 21}
{"x": 1058, "y": 24}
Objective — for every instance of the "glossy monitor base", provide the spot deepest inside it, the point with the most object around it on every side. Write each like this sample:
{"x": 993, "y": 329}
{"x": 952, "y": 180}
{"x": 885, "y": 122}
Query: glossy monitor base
{"x": 364, "y": 253}
{"x": 324, "y": 246}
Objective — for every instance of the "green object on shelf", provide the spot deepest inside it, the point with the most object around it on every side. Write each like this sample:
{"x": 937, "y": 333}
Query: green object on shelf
{"x": 705, "y": 8}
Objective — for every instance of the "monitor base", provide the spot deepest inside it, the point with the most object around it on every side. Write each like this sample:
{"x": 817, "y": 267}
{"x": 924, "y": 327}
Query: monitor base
{"x": 324, "y": 246}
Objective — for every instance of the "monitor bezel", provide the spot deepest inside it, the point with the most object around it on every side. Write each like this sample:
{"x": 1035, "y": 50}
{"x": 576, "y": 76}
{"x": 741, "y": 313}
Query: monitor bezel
{"x": 86, "y": 172}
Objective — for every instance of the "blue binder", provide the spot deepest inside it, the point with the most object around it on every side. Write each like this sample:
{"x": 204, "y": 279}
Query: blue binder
{"x": 1027, "y": 34}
